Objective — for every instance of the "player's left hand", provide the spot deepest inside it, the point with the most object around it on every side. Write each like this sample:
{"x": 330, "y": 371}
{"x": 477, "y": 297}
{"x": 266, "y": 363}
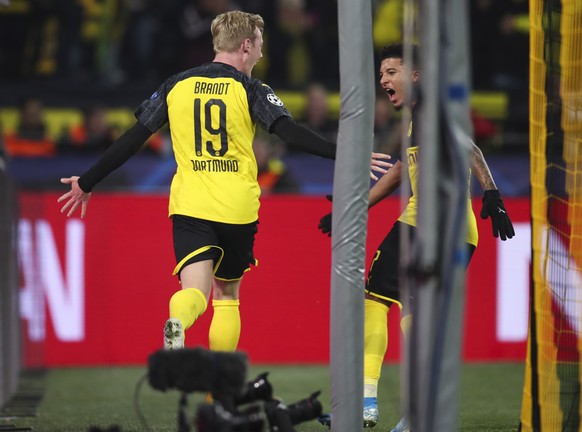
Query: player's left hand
{"x": 378, "y": 164}
{"x": 75, "y": 197}
{"x": 325, "y": 222}
{"x": 493, "y": 207}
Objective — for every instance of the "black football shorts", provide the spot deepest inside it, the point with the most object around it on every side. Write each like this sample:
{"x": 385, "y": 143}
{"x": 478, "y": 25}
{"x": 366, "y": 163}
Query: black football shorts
{"x": 230, "y": 246}
{"x": 384, "y": 273}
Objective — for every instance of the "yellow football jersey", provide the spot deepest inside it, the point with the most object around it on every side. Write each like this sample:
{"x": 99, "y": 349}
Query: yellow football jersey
{"x": 410, "y": 213}
{"x": 212, "y": 112}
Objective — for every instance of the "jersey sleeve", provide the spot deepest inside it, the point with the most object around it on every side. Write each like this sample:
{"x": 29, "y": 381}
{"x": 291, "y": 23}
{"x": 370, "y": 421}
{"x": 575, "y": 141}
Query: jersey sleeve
{"x": 265, "y": 106}
{"x": 153, "y": 112}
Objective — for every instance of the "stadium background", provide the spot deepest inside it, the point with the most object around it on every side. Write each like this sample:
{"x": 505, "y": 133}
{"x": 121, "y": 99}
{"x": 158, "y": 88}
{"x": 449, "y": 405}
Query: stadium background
{"x": 69, "y": 308}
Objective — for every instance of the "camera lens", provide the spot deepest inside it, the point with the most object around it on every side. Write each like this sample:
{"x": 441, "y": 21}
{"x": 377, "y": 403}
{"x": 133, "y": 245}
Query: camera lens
{"x": 306, "y": 409}
{"x": 258, "y": 389}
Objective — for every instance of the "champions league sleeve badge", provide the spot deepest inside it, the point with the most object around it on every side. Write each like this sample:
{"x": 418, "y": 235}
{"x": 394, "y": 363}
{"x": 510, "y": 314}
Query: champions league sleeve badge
{"x": 272, "y": 97}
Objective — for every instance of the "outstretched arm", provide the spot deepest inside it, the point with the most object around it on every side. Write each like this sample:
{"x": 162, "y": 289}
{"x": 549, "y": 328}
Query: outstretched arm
{"x": 493, "y": 206}
{"x": 120, "y": 151}
{"x": 304, "y": 139}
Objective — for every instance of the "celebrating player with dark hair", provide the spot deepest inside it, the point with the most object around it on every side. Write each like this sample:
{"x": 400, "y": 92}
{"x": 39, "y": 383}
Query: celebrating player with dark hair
{"x": 382, "y": 284}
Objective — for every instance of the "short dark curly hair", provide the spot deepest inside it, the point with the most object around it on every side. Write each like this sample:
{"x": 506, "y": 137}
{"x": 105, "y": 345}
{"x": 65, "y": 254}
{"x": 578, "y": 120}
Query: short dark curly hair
{"x": 397, "y": 51}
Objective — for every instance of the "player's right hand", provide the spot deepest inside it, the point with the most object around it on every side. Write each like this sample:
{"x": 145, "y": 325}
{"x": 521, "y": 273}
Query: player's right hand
{"x": 75, "y": 197}
{"x": 325, "y": 222}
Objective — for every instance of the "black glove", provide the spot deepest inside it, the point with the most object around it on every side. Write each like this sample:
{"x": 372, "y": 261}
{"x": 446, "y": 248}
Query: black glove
{"x": 493, "y": 207}
{"x": 325, "y": 222}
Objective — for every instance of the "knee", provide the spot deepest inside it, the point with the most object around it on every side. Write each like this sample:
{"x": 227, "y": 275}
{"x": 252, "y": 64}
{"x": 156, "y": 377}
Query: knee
{"x": 226, "y": 290}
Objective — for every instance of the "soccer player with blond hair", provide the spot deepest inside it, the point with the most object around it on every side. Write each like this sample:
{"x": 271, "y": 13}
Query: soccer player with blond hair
{"x": 212, "y": 111}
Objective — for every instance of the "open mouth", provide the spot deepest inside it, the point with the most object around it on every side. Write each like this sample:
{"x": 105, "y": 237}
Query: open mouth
{"x": 391, "y": 94}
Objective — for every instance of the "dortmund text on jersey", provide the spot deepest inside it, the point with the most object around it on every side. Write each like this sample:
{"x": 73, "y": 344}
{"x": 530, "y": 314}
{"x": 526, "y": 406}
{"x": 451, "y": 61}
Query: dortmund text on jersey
{"x": 212, "y": 111}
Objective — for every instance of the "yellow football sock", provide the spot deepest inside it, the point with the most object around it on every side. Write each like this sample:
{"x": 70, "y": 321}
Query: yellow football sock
{"x": 224, "y": 330}
{"x": 405, "y": 324}
{"x": 375, "y": 343}
{"x": 187, "y": 305}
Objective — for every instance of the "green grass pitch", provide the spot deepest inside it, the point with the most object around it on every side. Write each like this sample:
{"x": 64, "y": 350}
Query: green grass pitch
{"x": 77, "y": 398}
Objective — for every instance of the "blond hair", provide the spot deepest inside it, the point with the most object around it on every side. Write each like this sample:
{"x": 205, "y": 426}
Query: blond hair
{"x": 230, "y": 29}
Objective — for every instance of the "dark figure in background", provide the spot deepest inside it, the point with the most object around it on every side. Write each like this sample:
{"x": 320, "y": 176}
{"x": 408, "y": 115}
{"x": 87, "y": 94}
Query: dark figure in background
{"x": 511, "y": 71}
{"x": 194, "y": 25}
{"x": 14, "y": 25}
{"x": 317, "y": 113}
{"x": 273, "y": 176}
{"x": 483, "y": 20}
{"x": 499, "y": 43}
{"x": 300, "y": 44}
{"x": 93, "y": 135}
{"x": 140, "y": 49}
{"x": 500, "y": 61}
{"x": 30, "y": 139}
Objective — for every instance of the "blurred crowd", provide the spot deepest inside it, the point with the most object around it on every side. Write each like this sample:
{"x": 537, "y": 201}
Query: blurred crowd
{"x": 117, "y": 41}
{"x": 92, "y": 44}
{"x": 127, "y": 41}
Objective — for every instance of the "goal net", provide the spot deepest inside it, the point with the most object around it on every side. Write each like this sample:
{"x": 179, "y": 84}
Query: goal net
{"x": 551, "y": 394}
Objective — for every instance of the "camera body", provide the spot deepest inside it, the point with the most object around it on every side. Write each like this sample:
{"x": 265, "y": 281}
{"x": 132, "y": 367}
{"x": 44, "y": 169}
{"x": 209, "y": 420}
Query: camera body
{"x": 214, "y": 418}
{"x": 279, "y": 417}
{"x": 283, "y": 417}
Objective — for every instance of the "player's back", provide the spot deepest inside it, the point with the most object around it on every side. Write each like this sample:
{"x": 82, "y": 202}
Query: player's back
{"x": 212, "y": 132}
{"x": 212, "y": 111}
